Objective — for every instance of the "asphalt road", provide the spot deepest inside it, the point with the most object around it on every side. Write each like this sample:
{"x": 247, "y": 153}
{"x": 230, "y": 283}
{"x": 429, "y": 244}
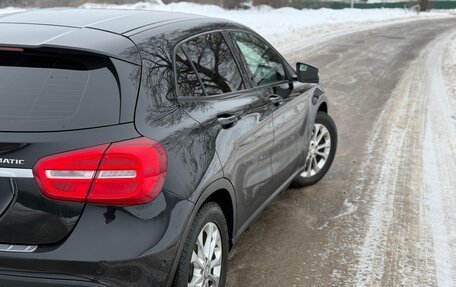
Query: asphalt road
{"x": 385, "y": 213}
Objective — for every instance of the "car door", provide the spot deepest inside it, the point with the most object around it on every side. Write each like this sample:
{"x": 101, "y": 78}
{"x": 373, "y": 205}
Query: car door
{"x": 273, "y": 79}
{"x": 213, "y": 91}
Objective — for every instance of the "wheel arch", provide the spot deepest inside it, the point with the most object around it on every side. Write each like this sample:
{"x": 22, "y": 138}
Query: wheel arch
{"x": 317, "y": 103}
{"x": 220, "y": 191}
{"x": 323, "y": 107}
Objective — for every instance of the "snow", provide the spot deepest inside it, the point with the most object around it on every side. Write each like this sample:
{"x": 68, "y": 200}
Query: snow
{"x": 9, "y": 10}
{"x": 435, "y": 210}
{"x": 439, "y": 162}
{"x": 414, "y": 141}
{"x": 280, "y": 25}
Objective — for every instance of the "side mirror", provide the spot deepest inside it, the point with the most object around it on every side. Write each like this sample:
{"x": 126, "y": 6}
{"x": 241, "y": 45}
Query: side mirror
{"x": 307, "y": 73}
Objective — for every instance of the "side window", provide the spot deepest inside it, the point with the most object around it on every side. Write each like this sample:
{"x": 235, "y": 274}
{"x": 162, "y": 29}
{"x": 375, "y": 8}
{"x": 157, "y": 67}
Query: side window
{"x": 205, "y": 64}
{"x": 264, "y": 63}
{"x": 188, "y": 83}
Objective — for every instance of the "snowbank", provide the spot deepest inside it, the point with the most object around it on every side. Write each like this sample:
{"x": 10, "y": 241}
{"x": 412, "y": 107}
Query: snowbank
{"x": 9, "y": 10}
{"x": 281, "y": 25}
{"x": 278, "y": 25}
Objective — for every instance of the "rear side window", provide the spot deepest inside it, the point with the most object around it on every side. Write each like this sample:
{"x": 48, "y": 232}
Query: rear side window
{"x": 205, "y": 66}
{"x": 43, "y": 91}
{"x": 188, "y": 83}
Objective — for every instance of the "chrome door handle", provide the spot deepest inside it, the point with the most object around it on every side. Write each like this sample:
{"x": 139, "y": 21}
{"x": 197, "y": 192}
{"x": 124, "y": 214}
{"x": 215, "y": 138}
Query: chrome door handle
{"x": 275, "y": 100}
{"x": 227, "y": 121}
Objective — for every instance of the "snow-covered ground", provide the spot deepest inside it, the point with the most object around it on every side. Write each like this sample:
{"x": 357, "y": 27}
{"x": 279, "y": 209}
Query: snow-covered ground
{"x": 281, "y": 25}
{"x": 419, "y": 118}
{"x": 9, "y": 10}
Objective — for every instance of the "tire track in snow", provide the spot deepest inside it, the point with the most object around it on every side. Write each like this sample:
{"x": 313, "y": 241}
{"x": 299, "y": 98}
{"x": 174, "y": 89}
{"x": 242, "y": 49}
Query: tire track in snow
{"x": 398, "y": 139}
{"x": 381, "y": 179}
{"x": 439, "y": 161}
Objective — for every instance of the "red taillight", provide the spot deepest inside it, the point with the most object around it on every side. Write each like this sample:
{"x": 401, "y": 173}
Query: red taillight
{"x": 11, "y": 49}
{"x": 123, "y": 173}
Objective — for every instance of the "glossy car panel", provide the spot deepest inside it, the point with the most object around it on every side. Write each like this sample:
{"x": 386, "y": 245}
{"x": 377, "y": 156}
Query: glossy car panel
{"x": 192, "y": 154}
{"x": 114, "y": 21}
{"x": 58, "y": 37}
{"x": 291, "y": 129}
{"x": 32, "y": 218}
{"x": 245, "y": 149}
{"x": 242, "y": 145}
{"x": 117, "y": 246}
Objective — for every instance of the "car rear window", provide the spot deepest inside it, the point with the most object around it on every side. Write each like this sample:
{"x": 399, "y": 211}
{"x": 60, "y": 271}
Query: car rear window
{"x": 44, "y": 91}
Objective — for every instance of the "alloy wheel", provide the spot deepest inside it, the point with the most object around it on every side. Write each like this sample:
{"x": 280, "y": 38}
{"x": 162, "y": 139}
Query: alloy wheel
{"x": 206, "y": 261}
{"x": 319, "y": 149}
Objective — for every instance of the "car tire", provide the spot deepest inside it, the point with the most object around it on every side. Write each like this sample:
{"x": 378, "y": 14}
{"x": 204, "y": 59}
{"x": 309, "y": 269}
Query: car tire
{"x": 208, "y": 222}
{"x": 326, "y": 131}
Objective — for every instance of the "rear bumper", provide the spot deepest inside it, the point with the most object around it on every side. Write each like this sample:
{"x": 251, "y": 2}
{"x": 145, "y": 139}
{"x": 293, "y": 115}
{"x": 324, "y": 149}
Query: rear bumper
{"x": 131, "y": 246}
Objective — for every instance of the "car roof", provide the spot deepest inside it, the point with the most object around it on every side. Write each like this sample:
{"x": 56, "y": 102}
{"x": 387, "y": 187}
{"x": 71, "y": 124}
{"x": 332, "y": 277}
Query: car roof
{"x": 102, "y": 31}
{"x": 118, "y": 21}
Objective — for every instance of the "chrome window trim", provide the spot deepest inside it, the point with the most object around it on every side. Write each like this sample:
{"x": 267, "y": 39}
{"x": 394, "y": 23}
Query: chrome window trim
{"x": 16, "y": 172}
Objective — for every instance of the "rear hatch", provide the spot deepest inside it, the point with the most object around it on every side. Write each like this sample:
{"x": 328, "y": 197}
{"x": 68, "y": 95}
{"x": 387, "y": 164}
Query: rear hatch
{"x": 51, "y": 102}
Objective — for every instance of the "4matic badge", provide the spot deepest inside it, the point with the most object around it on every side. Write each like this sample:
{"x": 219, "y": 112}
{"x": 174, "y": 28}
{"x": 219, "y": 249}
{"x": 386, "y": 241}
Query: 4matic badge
{"x": 12, "y": 161}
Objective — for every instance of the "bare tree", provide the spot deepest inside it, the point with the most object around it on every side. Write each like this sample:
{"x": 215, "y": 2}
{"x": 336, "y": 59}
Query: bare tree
{"x": 423, "y": 5}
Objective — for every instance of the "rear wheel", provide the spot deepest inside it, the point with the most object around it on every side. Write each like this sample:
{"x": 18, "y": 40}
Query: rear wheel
{"x": 321, "y": 152}
{"x": 204, "y": 258}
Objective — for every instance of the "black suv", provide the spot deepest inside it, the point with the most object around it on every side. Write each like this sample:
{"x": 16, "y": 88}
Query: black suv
{"x": 135, "y": 147}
